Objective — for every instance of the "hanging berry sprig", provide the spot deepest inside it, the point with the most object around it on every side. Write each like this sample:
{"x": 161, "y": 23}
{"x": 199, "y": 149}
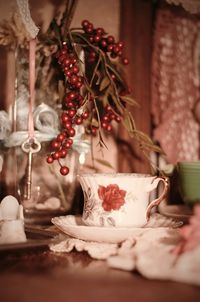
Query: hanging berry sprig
{"x": 96, "y": 94}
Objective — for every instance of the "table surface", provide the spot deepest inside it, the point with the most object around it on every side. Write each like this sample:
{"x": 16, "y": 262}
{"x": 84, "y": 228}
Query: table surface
{"x": 41, "y": 275}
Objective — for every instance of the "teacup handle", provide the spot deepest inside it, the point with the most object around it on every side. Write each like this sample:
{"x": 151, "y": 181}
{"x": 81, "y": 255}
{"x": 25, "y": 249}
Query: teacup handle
{"x": 157, "y": 201}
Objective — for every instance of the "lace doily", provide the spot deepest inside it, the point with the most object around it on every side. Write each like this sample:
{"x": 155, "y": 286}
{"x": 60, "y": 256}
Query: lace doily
{"x": 149, "y": 252}
{"x": 103, "y": 250}
{"x": 24, "y": 11}
{"x": 175, "y": 84}
{"x": 192, "y": 6}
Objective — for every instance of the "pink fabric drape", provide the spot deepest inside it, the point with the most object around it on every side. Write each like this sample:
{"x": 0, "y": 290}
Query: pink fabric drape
{"x": 176, "y": 83}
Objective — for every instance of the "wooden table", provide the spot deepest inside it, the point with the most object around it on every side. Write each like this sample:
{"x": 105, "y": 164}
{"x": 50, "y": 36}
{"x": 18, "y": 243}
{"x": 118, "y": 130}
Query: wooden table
{"x": 42, "y": 275}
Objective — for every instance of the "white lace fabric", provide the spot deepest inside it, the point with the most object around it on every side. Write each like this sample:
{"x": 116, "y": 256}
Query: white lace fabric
{"x": 149, "y": 252}
{"x": 23, "y": 6}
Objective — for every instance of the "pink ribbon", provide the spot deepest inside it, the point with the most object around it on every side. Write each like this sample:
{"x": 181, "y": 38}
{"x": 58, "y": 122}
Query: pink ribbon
{"x": 32, "y": 46}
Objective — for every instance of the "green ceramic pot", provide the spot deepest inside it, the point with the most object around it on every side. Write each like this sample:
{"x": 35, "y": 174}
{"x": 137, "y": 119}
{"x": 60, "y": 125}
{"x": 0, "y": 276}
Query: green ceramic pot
{"x": 189, "y": 179}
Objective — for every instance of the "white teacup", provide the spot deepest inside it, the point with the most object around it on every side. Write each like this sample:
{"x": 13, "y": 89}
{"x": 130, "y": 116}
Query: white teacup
{"x": 119, "y": 199}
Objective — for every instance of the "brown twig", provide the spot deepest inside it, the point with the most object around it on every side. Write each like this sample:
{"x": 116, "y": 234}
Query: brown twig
{"x": 68, "y": 16}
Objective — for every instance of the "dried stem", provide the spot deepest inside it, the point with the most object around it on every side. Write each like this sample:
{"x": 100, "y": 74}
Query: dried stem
{"x": 68, "y": 16}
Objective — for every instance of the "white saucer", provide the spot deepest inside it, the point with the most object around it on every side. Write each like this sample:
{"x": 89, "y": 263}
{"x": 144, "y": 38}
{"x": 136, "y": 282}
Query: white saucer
{"x": 74, "y": 227}
{"x": 181, "y": 212}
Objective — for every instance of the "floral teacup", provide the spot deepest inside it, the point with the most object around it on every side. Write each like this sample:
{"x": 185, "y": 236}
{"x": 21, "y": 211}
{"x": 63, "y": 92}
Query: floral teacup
{"x": 119, "y": 199}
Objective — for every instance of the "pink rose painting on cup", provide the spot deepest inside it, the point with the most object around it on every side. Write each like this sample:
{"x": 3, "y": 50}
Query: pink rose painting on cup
{"x": 112, "y": 197}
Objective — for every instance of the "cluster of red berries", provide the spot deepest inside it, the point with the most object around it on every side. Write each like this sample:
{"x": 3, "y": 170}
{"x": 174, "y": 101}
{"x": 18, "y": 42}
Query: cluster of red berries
{"x": 97, "y": 36}
{"x": 71, "y": 103}
{"x": 73, "y": 113}
{"x": 108, "y": 117}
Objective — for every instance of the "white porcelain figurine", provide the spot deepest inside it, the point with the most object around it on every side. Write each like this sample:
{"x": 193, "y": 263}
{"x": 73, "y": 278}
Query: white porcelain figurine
{"x": 11, "y": 221}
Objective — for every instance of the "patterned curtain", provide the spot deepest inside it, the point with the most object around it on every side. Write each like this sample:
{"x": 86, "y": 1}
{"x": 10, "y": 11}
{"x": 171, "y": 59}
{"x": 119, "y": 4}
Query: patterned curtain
{"x": 176, "y": 82}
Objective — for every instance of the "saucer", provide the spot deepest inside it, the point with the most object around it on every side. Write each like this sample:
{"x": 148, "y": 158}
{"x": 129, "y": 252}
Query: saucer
{"x": 75, "y": 227}
{"x": 179, "y": 212}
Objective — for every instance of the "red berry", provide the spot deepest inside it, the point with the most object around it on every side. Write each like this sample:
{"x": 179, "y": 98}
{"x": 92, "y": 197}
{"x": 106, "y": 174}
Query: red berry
{"x": 104, "y": 125}
{"x": 78, "y": 120}
{"x": 97, "y": 38}
{"x": 85, "y": 23}
{"x": 110, "y": 39}
{"x": 56, "y": 155}
{"x": 78, "y": 84}
{"x": 68, "y": 73}
{"x": 105, "y": 118}
{"x": 116, "y": 49}
{"x": 71, "y": 96}
{"x": 110, "y": 47}
{"x": 66, "y": 145}
{"x": 81, "y": 79}
{"x": 71, "y": 105}
{"x": 73, "y": 59}
{"x": 66, "y": 62}
{"x": 50, "y": 159}
{"x": 75, "y": 69}
{"x": 71, "y": 112}
{"x": 91, "y": 39}
{"x": 103, "y": 43}
{"x": 118, "y": 118}
{"x": 67, "y": 125}
{"x": 100, "y": 31}
{"x": 108, "y": 108}
{"x": 125, "y": 61}
{"x": 91, "y": 60}
{"x": 94, "y": 130}
{"x": 109, "y": 127}
{"x": 61, "y": 58}
{"x": 112, "y": 116}
{"x": 63, "y": 153}
{"x": 120, "y": 44}
{"x": 63, "y": 51}
{"x": 92, "y": 54}
{"x": 66, "y": 68}
{"x": 71, "y": 132}
{"x": 85, "y": 115}
{"x": 65, "y": 118}
{"x": 70, "y": 141}
{"x": 80, "y": 98}
{"x": 55, "y": 144}
{"x": 73, "y": 79}
{"x": 89, "y": 29}
{"x": 64, "y": 170}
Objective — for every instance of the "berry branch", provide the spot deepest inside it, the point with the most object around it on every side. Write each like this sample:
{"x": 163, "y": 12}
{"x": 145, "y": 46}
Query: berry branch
{"x": 96, "y": 95}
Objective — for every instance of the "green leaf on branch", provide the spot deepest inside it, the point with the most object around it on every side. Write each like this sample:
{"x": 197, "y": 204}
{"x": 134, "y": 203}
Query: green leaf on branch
{"x": 119, "y": 106}
{"x": 104, "y": 99}
{"x": 144, "y": 141}
{"x": 98, "y": 75}
{"x": 113, "y": 70}
{"x": 104, "y": 162}
{"x": 94, "y": 123}
{"x": 104, "y": 83}
{"x": 129, "y": 101}
{"x": 128, "y": 123}
{"x": 61, "y": 90}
